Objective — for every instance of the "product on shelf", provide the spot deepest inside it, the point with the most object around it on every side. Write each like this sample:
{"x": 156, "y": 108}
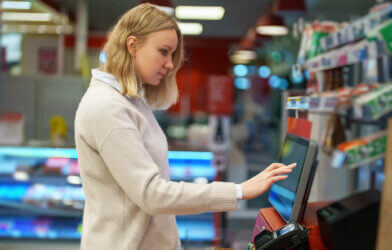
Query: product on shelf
{"x": 361, "y": 151}
{"x": 329, "y": 45}
{"x": 311, "y": 39}
{"x": 54, "y": 165}
{"x": 359, "y": 28}
{"x": 374, "y": 104}
{"x": 333, "y": 134}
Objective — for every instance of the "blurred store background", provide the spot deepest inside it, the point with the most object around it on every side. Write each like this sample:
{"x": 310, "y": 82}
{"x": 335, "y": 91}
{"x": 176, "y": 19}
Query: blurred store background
{"x": 244, "y": 61}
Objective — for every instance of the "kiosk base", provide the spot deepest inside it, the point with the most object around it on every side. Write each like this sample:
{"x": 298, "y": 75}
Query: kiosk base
{"x": 271, "y": 220}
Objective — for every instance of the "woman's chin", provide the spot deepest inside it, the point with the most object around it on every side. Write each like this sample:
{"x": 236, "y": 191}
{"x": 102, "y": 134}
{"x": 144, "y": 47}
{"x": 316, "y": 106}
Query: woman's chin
{"x": 154, "y": 83}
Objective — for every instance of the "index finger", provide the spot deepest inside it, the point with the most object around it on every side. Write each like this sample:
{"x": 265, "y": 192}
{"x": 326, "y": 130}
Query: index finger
{"x": 292, "y": 165}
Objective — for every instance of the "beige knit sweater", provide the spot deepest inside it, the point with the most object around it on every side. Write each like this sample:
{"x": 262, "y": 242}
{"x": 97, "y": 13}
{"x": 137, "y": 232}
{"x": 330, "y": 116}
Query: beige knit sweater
{"x": 130, "y": 201}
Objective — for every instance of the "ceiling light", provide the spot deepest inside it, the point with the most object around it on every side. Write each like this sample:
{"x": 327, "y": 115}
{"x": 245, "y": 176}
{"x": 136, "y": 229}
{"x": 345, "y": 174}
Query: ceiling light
{"x": 15, "y": 5}
{"x": 34, "y": 28}
{"x": 271, "y": 25}
{"x": 166, "y": 9}
{"x": 246, "y": 54}
{"x": 200, "y": 12}
{"x": 191, "y": 28}
{"x": 238, "y": 59}
{"x": 21, "y": 17}
{"x": 272, "y": 30}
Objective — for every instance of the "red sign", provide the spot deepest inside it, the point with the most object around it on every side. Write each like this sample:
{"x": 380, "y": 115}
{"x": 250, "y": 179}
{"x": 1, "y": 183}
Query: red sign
{"x": 299, "y": 127}
{"x": 47, "y": 60}
{"x": 220, "y": 95}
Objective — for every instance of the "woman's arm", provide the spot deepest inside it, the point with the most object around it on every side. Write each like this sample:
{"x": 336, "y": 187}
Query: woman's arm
{"x": 139, "y": 177}
{"x": 137, "y": 174}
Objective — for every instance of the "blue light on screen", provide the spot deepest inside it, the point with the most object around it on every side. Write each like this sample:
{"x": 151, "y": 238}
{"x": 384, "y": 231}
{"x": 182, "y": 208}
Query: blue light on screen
{"x": 283, "y": 192}
{"x": 281, "y": 204}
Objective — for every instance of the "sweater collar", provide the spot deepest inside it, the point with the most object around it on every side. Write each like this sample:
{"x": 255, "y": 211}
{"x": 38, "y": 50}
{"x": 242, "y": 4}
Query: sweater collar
{"x": 106, "y": 78}
{"x": 112, "y": 80}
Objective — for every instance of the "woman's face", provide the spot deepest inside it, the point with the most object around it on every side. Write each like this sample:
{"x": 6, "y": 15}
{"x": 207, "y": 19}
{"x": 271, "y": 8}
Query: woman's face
{"x": 154, "y": 57}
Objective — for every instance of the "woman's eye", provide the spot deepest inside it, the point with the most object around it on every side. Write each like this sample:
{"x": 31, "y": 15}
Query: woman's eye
{"x": 163, "y": 52}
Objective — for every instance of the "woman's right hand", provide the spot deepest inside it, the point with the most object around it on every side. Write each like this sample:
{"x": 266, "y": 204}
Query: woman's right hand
{"x": 260, "y": 183}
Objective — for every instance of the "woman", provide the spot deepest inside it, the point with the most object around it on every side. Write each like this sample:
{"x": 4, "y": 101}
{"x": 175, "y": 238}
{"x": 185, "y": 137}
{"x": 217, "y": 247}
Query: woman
{"x": 130, "y": 201}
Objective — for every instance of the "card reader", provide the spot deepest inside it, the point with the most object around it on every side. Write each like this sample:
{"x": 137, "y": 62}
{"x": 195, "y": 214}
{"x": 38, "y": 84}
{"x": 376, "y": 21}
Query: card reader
{"x": 291, "y": 235}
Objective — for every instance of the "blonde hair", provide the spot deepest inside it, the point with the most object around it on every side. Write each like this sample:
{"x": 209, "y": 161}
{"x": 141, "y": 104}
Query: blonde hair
{"x": 141, "y": 21}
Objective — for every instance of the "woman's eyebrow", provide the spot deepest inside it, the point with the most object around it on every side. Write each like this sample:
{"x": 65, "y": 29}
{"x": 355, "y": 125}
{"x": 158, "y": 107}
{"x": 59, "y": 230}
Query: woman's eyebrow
{"x": 170, "y": 48}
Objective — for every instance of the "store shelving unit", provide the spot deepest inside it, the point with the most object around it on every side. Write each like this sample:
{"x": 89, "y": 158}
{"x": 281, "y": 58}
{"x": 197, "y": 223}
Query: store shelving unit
{"x": 349, "y": 76}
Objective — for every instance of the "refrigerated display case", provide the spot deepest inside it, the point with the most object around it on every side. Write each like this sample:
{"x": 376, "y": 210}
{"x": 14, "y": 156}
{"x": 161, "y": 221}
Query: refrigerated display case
{"x": 41, "y": 195}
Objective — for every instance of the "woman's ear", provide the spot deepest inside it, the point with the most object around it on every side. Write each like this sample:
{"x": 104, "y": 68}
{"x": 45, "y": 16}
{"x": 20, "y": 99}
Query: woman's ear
{"x": 131, "y": 45}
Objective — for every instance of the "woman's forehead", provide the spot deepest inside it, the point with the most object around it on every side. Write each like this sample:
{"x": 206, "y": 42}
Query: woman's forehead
{"x": 166, "y": 38}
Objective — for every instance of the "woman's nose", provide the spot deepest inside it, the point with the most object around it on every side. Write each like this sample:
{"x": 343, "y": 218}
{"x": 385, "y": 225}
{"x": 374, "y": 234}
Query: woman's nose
{"x": 169, "y": 64}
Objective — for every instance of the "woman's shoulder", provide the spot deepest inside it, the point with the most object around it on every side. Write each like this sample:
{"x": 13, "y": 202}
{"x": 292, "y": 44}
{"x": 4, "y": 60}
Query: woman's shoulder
{"x": 103, "y": 97}
{"x": 103, "y": 102}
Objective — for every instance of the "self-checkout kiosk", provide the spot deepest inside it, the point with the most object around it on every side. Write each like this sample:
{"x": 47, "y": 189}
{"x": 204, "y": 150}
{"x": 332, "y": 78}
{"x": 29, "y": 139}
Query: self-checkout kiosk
{"x": 282, "y": 225}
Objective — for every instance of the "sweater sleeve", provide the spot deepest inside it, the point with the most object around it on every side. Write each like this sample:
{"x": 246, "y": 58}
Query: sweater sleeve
{"x": 137, "y": 174}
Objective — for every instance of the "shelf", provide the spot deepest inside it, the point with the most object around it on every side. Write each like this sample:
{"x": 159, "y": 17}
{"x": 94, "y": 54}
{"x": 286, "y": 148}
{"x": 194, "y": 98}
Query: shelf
{"x": 327, "y": 111}
{"x": 58, "y": 212}
{"x": 341, "y": 57}
{"x": 321, "y": 104}
{"x": 47, "y": 179}
{"x": 49, "y": 228}
{"x": 368, "y": 107}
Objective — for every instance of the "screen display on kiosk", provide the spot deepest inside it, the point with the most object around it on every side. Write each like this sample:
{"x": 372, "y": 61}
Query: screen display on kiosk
{"x": 287, "y": 196}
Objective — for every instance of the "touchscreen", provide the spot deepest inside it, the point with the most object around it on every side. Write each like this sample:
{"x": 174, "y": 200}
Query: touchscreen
{"x": 283, "y": 192}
